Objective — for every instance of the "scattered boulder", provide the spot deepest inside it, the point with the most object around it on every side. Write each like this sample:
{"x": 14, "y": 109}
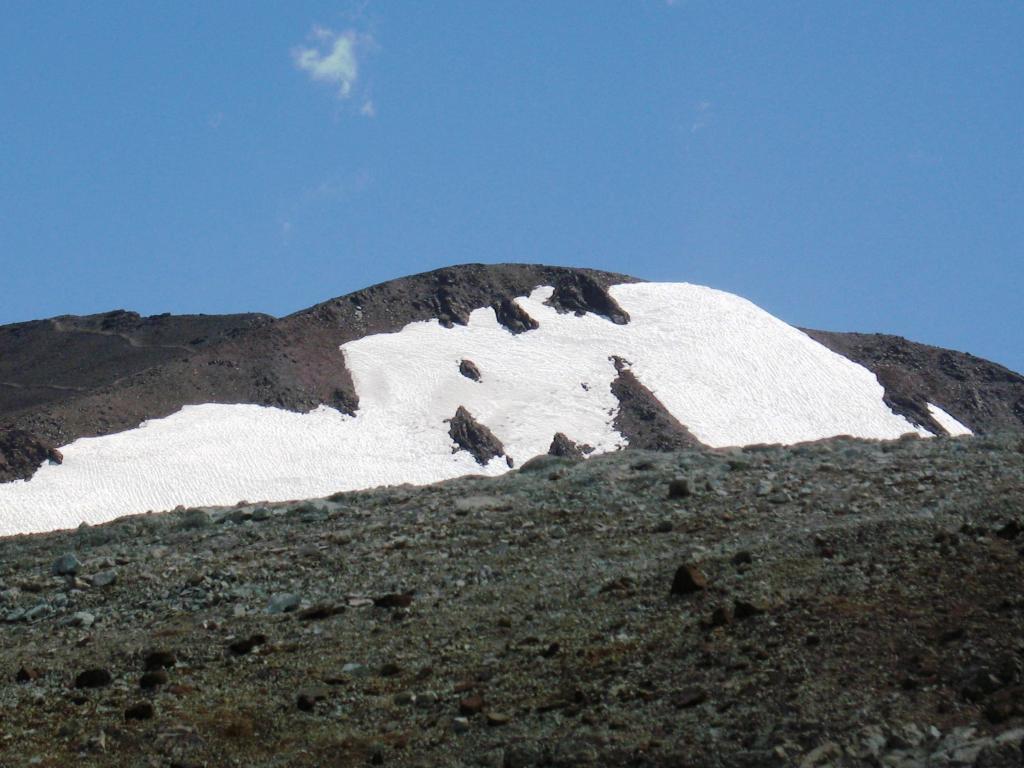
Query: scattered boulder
{"x": 469, "y": 369}
{"x": 285, "y": 602}
{"x": 96, "y": 677}
{"x": 154, "y": 679}
{"x": 158, "y": 659}
{"x": 142, "y": 710}
{"x": 680, "y": 488}
{"x": 244, "y": 645}
{"x": 66, "y": 565}
{"x": 688, "y": 579}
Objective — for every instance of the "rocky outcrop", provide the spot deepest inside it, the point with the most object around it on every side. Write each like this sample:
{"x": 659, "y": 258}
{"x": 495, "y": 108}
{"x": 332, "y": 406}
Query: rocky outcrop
{"x": 642, "y": 419}
{"x": 21, "y": 454}
{"x": 562, "y": 446}
{"x": 982, "y": 395}
{"x": 514, "y": 317}
{"x": 475, "y": 438}
{"x": 579, "y": 292}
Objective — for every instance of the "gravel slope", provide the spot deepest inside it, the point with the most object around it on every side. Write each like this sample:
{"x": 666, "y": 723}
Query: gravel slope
{"x": 840, "y": 603}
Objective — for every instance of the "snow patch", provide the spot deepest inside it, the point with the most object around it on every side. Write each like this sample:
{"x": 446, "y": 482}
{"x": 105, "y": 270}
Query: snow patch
{"x": 727, "y": 370}
{"x": 947, "y": 422}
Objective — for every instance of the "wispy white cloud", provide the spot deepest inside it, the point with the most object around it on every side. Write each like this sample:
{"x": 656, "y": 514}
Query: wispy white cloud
{"x": 703, "y": 116}
{"x": 369, "y": 109}
{"x": 332, "y": 59}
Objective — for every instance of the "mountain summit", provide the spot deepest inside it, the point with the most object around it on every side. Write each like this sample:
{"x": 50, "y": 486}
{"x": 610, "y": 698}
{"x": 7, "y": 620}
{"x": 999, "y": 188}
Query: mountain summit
{"x": 469, "y": 369}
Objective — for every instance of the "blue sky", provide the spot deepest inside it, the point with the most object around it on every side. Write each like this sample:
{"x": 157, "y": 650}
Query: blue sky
{"x": 848, "y": 166}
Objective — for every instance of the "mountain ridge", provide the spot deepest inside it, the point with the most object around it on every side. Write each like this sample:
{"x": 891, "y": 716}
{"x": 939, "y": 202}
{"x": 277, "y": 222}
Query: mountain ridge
{"x": 293, "y": 362}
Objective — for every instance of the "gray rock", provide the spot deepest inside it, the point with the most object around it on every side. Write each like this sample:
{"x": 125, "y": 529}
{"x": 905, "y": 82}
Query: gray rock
{"x": 284, "y": 602}
{"x": 104, "y": 578}
{"x": 66, "y": 565}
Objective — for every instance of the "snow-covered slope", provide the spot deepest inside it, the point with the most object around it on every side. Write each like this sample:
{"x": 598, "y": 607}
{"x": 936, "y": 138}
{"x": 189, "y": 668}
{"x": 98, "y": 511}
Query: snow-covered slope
{"x": 727, "y": 370}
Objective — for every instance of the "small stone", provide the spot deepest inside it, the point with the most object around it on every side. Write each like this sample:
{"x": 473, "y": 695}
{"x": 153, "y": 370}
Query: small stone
{"x": 37, "y": 612}
{"x": 471, "y": 705}
{"x": 663, "y": 526}
{"x": 743, "y": 557}
{"x": 390, "y": 669}
{"x": 404, "y": 698}
{"x": 497, "y": 719}
{"x": 688, "y": 579}
{"x": 153, "y": 679}
{"x": 194, "y": 519}
{"x": 244, "y": 645}
{"x": 93, "y": 678}
{"x": 680, "y": 488}
{"x": 142, "y": 710}
{"x": 283, "y": 603}
{"x": 65, "y": 565}
{"x": 308, "y": 697}
{"x": 82, "y": 619}
{"x": 104, "y": 578}
{"x": 690, "y": 697}
{"x": 158, "y": 659}
{"x": 460, "y": 724}
{"x": 27, "y": 675}
{"x": 744, "y": 609}
{"x": 353, "y": 669}
{"x": 393, "y": 600}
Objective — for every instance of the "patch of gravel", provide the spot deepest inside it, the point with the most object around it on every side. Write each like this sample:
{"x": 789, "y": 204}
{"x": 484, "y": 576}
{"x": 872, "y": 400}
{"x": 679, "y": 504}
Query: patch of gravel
{"x": 841, "y": 603}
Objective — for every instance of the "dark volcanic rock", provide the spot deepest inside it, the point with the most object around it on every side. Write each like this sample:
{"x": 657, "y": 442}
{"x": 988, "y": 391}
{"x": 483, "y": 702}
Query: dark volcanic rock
{"x": 566, "y": 448}
{"x": 21, "y": 454}
{"x": 475, "y": 438}
{"x": 93, "y": 678}
{"x": 641, "y": 417}
{"x": 468, "y": 369}
{"x": 983, "y": 396}
{"x": 74, "y": 377}
{"x": 514, "y": 317}
{"x": 579, "y": 292}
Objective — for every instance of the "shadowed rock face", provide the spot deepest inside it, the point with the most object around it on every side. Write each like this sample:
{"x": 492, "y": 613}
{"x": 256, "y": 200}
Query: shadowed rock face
{"x": 642, "y": 419}
{"x": 579, "y": 292}
{"x": 514, "y": 317}
{"x": 475, "y": 438}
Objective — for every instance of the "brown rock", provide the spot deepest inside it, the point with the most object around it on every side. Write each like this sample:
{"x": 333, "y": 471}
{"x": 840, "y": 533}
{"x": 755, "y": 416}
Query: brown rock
{"x": 472, "y": 705}
{"x": 153, "y": 679}
{"x": 93, "y": 678}
{"x": 143, "y": 710}
{"x": 158, "y": 659}
{"x": 688, "y": 579}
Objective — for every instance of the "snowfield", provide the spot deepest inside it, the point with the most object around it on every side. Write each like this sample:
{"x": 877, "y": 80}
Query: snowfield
{"x": 727, "y": 370}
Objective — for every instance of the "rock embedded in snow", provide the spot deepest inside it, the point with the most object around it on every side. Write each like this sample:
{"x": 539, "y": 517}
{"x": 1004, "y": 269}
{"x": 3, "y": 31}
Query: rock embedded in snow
{"x": 475, "y": 438}
{"x": 468, "y": 369}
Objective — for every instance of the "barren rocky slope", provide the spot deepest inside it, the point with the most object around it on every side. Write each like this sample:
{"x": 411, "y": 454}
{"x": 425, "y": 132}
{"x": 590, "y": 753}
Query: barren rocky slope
{"x": 838, "y": 603}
